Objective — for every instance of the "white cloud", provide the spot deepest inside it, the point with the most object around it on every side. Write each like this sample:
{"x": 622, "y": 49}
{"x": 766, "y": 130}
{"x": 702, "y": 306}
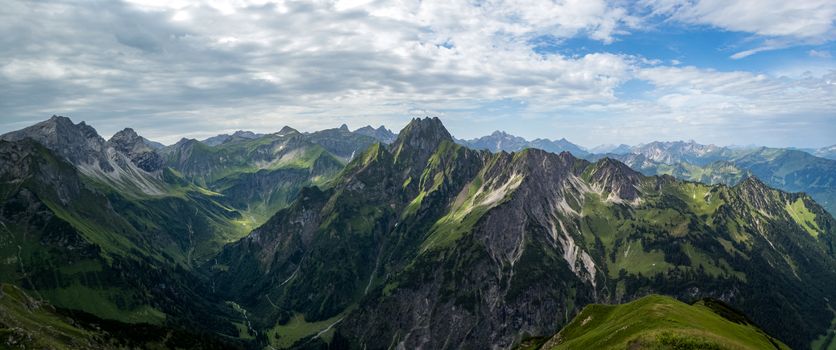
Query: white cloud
{"x": 172, "y": 66}
{"x": 819, "y": 53}
{"x": 783, "y": 23}
{"x": 798, "y": 19}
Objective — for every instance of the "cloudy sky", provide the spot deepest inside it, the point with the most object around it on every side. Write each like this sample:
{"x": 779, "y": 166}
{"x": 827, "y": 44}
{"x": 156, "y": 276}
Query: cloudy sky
{"x": 716, "y": 71}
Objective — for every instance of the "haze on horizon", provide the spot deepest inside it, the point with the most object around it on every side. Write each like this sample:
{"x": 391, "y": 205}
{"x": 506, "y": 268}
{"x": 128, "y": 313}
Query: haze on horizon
{"x": 594, "y": 72}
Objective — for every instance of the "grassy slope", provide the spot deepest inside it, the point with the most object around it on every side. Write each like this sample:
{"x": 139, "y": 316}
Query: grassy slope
{"x": 85, "y": 247}
{"x": 658, "y": 322}
{"x": 26, "y": 323}
{"x": 258, "y": 176}
{"x": 29, "y": 323}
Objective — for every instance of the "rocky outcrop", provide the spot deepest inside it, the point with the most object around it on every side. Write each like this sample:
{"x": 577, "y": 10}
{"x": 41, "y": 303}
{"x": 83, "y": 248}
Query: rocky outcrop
{"x": 78, "y": 143}
{"x": 136, "y": 149}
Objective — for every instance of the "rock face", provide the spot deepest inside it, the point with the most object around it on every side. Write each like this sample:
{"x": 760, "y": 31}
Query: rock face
{"x": 79, "y": 143}
{"x": 137, "y": 149}
{"x": 125, "y": 162}
{"x": 428, "y": 244}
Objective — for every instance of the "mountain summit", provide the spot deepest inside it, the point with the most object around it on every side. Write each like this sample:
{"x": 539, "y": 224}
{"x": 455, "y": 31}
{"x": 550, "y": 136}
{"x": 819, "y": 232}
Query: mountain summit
{"x": 79, "y": 143}
{"x": 419, "y": 139}
{"x": 137, "y": 149}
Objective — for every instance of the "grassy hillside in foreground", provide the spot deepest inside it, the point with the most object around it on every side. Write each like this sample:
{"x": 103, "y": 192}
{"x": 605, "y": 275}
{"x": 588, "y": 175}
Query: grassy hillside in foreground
{"x": 29, "y": 323}
{"x": 659, "y": 322}
{"x": 26, "y": 323}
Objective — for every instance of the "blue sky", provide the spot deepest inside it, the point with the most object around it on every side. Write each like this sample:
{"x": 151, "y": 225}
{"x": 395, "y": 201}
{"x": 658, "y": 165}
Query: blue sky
{"x": 724, "y": 72}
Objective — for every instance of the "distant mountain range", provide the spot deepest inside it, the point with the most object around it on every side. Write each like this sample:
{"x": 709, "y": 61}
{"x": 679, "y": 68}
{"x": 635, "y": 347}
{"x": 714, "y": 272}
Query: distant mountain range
{"x": 786, "y": 169}
{"x": 381, "y": 134}
{"x": 501, "y": 141}
{"x": 826, "y": 152}
{"x": 338, "y": 239}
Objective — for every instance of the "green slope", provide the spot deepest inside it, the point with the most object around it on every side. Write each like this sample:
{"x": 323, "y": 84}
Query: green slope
{"x": 26, "y": 323}
{"x": 659, "y": 322}
{"x": 29, "y": 323}
{"x": 257, "y": 176}
{"x": 119, "y": 257}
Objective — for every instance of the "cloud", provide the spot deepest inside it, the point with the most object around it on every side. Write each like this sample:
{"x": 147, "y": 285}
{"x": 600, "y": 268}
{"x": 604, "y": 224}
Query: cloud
{"x": 750, "y": 52}
{"x": 778, "y": 23}
{"x": 192, "y": 68}
{"x": 809, "y": 19}
{"x": 819, "y": 53}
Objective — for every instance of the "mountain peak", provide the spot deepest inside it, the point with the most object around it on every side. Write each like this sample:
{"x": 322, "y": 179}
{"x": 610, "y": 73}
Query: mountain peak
{"x": 127, "y": 139}
{"x": 60, "y": 119}
{"x": 135, "y": 147}
{"x": 126, "y": 133}
{"x": 424, "y": 132}
{"x": 344, "y": 127}
{"x": 79, "y": 143}
{"x": 618, "y": 179}
{"x": 287, "y": 130}
{"x": 752, "y": 182}
{"x": 421, "y": 137}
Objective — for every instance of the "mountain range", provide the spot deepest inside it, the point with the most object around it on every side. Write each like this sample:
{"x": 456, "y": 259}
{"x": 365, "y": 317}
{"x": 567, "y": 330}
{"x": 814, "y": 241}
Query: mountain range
{"x": 500, "y": 141}
{"x": 786, "y": 169}
{"x": 365, "y": 239}
{"x": 794, "y": 170}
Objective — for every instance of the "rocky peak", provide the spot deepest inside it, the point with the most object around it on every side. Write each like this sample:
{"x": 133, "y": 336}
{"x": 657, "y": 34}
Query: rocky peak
{"x": 344, "y": 127}
{"x": 78, "y": 143}
{"x": 286, "y": 130}
{"x": 419, "y": 139}
{"x": 135, "y": 147}
{"x": 126, "y": 139}
{"x": 185, "y": 142}
{"x": 752, "y": 182}
{"x": 616, "y": 178}
{"x": 757, "y": 194}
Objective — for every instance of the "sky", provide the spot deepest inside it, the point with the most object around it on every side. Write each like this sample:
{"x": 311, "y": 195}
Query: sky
{"x": 595, "y": 72}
